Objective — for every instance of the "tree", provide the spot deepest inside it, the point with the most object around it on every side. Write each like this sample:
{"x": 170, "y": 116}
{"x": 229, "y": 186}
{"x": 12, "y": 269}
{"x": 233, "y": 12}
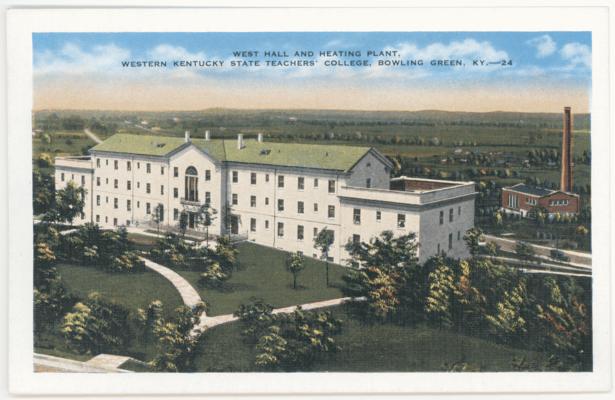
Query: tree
{"x": 295, "y": 263}
{"x": 69, "y": 203}
{"x": 472, "y": 237}
{"x": 440, "y": 291}
{"x": 43, "y": 191}
{"x": 183, "y": 222}
{"x": 492, "y": 248}
{"x": 213, "y": 276}
{"x": 95, "y": 326}
{"x": 177, "y": 340}
{"x": 149, "y": 319}
{"x": 524, "y": 251}
{"x": 509, "y": 322}
{"x": 323, "y": 242}
{"x": 206, "y": 216}
{"x": 157, "y": 216}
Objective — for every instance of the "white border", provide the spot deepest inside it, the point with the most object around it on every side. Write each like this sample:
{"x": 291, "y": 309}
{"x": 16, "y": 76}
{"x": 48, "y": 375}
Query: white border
{"x": 21, "y": 24}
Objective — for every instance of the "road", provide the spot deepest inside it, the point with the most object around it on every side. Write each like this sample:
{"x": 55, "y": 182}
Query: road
{"x": 92, "y": 136}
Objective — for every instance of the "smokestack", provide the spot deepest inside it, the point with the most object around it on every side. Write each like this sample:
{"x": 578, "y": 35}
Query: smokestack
{"x": 566, "y": 181}
{"x": 207, "y": 136}
{"x": 240, "y": 141}
{"x": 260, "y": 138}
{"x": 187, "y": 136}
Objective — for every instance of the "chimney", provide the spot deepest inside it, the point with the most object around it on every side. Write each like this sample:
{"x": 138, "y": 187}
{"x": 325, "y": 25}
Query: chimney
{"x": 207, "y": 135}
{"x": 566, "y": 180}
{"x": 260, "y": 138}
{"x": 240, "y": 141}
{"x": 187, "y": 136}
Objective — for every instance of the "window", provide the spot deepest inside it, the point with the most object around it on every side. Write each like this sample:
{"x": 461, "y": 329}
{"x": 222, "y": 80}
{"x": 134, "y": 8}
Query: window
{"x": 266, "y": 177}
{"x": 234, "y": 199}
{"x": 138, "y": 165}
{"x": 280, "y": 229}
{"x": 458, "y": 235}
{"x": 148, "y": 168}
{"x": 160, "y": 212}
{"x": 315, "y": 231}
{"x": 266, "y": 224}
{"x": 62, "y": 177}
{"x": 315, "y": 182}
{"x": 378, "y": 216}
{"x": 175, "y": 193}
{"x": 98, "y": 162}
{"x": 459, "y": 210}
{"x": 161, "y": 170}
{"x": 208, "y": 198}
{"x": 331, "y": 186}
{"x": 441, "y": 217}
{"x": 107, "y": 199}
{"x": 128, "y": 205}
{"x": 128, "y": 166}
{"x": 450, "y": 215}
{"x": 115, "y": 183}
{"x": 450, "y": 241}
{"x": 513, "y": 201}
{"x": 115, "y": 164}
{"x": 300, "y": 232}
{"x": 161, "y": 189}
{"x": 148, "y": 209}
{"x": 207, "y": 175}
{"x": 401, "y": 220}
{"x": 301, "y": 183}
{"x": 438, "y": 251}
{"x": 300, "y": 209}
{"x": 115, "y": 202}
{"x": 191, "y": 184}
{"x": 175, "y": 214}
{"x": 280, "y": 205}
{"x": 98, "y": 216}
{"x": 356, "y": 216}
{"x": 252, "y": 201}
{"x": 98, "y": 181}
{"x": 235, "y": 176}
{"x": 266, "y": 201}
{"x": 138, "y": 204}
{"x": 106, "y": 181}
{"x": 356, "y": 239}
{"x": 281, "y": 181}
{"x": 368, "y": 183}
{"x": 114, "y": 221}
{"x": 331, "y": 212}
{"x": 97, "y": 199}
{"x": 138, "y": 185}
{"x": 148, "y": 188}
{"x": 127, "y": 222}
{"x": 253, "y": 178}
{"x": 252, "y": 224}
{"x": 72, "y": 177}
{"x": 175, "y": 172}
{"x": 315, "y": 207}
{"x": 82, "y": 180}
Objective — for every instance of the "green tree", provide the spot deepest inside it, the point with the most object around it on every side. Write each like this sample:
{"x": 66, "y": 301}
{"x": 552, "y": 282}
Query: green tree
{"x": 183, "y": 222}
{"x": 524, "y": 251}
{"x": 206, "y": 216}
{"x": 509, "y": 322}
{"x": 69, "y": 203}
{"x": 43, "y": 191}
{"x": 95, "y": 326}
{"x": 439, "y": 295}
{"x": 150, "y": 318}
{"x": 213, "y": 276}
{"x": 295, "y": 263}
{"x": 323, "y": 242}
{"x": 157, "y": 216}
{"x": 472, "y": 237}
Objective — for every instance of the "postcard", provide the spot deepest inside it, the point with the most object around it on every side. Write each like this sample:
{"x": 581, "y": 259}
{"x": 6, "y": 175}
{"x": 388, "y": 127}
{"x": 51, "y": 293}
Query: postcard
{"x": 282, "y": 201}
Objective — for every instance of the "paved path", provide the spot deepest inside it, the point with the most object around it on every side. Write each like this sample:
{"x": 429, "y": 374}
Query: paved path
{"x": 107, "y": 361}
{"x": 92, "y": 136}
{"x": 46, "y": 363}
{"x": 189, "y": 295}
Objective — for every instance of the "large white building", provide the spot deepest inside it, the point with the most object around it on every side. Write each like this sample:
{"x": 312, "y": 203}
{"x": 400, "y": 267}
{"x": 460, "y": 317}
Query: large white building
{"x": 276, "y": 194}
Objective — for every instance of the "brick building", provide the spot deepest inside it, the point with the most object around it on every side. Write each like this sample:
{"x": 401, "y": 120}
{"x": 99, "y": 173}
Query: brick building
{"x": 521, "y": 198}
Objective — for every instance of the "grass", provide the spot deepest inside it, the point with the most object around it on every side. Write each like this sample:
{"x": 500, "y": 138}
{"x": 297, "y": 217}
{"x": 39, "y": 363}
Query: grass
{"x": 371, "y": 348}
{"x": 262, "y": 275}
{"x": 130, "y": 290}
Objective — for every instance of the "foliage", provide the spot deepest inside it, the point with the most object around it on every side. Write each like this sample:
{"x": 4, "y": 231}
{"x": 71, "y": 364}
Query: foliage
{"x": 323, "y": 242}
{"x": 493, "y": 249}
{"x": 256, "y": 317}
{"x": 69, "y": 203}
{"x": 524, "y": 251}
{"x": 440, "y": 290}
{"x": 172, "y": 250}
{"x": 95, "y": 326}
{"x": 177, "y": 340}
{"x": 472, "y": 238}
{"x": 213, "y": 276}
{"x": 509, "y": 322}
{"x": 43, "y": 191}
{"x": 295, "y": 264}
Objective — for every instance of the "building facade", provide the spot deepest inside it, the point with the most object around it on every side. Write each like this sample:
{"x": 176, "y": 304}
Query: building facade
{"x": 521, "y": 199}
{"x": 275, "y": 194}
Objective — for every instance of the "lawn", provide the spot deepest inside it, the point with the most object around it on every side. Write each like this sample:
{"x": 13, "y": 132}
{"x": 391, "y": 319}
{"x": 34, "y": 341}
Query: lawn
{"x": 371, "y": 348}
{"x": 262, "y": 275}
{"x": 130, "y": 290}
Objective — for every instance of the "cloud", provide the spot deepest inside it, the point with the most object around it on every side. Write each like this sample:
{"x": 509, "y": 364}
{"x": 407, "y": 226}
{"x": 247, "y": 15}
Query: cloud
{"x": 544, "y": 45}
{"x": 576, "y": 54}
{"x": 71, "y": 59}
{"x": 453, "y": 50}
{"x": 168, "y": 52}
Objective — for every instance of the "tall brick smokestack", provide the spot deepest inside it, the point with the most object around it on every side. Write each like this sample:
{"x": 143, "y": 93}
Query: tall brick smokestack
{"x": 566, "y": 180}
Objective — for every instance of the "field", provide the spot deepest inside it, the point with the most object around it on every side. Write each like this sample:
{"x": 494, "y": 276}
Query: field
{"x": 372, "y": 348}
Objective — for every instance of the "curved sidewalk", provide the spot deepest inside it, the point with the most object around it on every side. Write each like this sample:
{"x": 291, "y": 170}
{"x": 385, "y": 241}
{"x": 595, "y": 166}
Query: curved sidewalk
{"x": 189, "y": 295}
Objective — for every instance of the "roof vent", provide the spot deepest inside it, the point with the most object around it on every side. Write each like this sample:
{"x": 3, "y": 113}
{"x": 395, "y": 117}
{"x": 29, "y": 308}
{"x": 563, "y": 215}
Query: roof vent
{"x": 207, "y": 135}
{"x": 265, "y": 152}
{"x": 187, "y": 136}
{"x": 160, "y": 145}
{"x": 240, "y": 144}
{"x": 259, "y": 137}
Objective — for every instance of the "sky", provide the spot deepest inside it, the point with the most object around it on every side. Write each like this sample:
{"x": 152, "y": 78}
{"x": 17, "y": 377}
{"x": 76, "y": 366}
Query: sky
{"x": 529, "y": 71}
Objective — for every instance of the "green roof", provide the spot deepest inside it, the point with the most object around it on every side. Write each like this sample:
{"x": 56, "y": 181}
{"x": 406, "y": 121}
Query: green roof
{"x": 303, "y": 155}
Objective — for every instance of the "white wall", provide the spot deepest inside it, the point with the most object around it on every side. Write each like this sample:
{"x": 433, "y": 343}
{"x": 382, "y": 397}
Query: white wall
{"x": 370, "y": 167}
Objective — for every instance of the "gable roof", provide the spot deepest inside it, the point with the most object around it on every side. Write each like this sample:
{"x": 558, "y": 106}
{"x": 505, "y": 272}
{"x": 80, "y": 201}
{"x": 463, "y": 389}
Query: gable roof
{"x": 333, "y": 157}
{"x": 533, "y": 190}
